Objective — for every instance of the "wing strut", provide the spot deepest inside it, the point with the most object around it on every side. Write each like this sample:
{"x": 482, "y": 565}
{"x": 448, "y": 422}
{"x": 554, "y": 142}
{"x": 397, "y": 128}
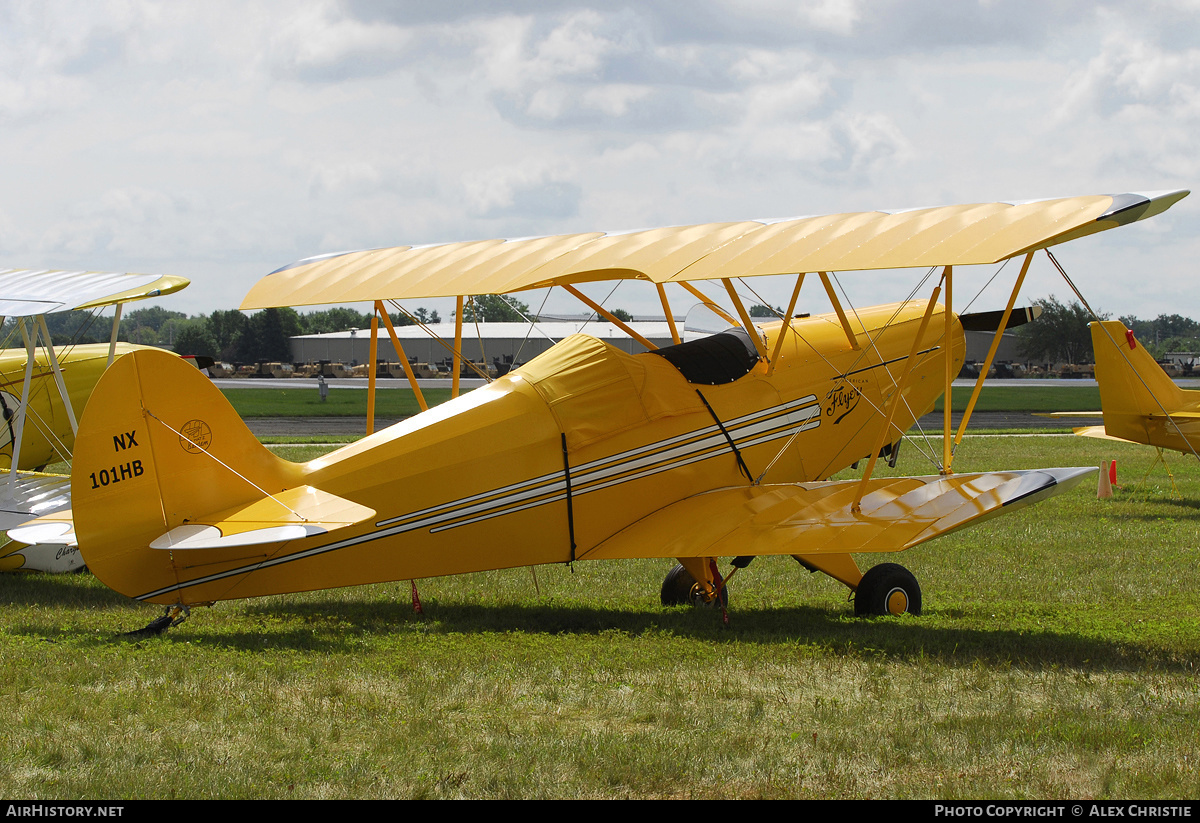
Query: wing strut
{"x": 58, "y": 378}
{"x": 662, "y": 296}
{"x": 787, "y": 323}
{"x": 747, "y": 323}
{"x": 408, "y": 372}
{"x": 946, "y": 338}
{"x": 458, "y": 358}
{"x": 837, "y": 307}
{"x": 897, "y": 397}
{"x": 372, "y": 353}
{"x": 607, "y": 315}
{"x": 112, "y": 339}
{"x": 23, "y": 409}
{"x": 987, "y": 362}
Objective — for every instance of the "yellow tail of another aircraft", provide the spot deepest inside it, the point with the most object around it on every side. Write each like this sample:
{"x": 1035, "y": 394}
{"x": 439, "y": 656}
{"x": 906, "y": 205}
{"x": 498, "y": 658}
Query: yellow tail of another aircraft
{"x": 1141, "y": 404}
{"x": 163, "y": 461}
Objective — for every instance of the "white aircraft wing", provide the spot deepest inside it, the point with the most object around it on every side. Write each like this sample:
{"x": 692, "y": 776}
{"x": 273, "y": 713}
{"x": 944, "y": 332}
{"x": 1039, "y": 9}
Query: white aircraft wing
{"x": 30, "y": 292}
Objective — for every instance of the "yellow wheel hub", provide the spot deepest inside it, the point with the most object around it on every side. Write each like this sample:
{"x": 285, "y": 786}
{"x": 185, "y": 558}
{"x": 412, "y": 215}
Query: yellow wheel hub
{"x": 897, "y": 601}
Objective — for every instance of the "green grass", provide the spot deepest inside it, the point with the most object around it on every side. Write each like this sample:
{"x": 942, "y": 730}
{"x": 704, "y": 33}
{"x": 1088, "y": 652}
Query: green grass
{"x": 306, "y": 402}
{"x": 396, "y": 403}
{"x": 1038, "y": 396}
{"x": 1056, "y": 659}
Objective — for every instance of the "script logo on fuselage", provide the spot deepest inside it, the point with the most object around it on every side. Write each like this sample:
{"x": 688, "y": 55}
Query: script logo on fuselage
{"x": 842, "y": 399}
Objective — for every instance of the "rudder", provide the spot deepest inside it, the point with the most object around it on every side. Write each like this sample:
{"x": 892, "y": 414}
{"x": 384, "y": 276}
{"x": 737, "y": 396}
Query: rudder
{"x": 158, "y": 445}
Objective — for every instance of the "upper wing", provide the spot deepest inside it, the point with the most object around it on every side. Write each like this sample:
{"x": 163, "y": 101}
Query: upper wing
{"x": 25, "y": 292}
{"x": 816, "y": 518}
{"x": 944, "y": 235}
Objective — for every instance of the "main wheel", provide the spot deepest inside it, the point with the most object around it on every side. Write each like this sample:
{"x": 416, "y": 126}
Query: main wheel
{"x": 679, "y": 588}
{"x": 888, "y": 588}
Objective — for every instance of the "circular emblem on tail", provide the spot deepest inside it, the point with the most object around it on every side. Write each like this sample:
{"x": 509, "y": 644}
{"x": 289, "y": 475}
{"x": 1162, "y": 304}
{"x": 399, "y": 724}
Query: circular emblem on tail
{"x": 196, "y": 436}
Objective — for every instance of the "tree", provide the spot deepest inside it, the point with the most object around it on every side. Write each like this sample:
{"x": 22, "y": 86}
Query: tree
{"x": 267, "y": 334}
{"x": 339, "y": 318}
{"x": 1060, "y": 334}
{"x": 226, "y": 328}
{"x": 493, "y": 308}
{"x": 759, "y": 310}
{"x": 195, "y": 339}
{"x": 622, "y": 315}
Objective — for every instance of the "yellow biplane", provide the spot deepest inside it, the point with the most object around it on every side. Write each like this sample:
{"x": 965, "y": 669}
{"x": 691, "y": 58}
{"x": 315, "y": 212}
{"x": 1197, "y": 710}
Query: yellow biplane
{"x": 42, "y": 388}
{"x": 721, "y": 446}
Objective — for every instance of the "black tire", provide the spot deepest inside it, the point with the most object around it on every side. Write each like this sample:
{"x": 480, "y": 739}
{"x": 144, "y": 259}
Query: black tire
{"x": 888, "y": 588}
{"x": 678, "y": 589}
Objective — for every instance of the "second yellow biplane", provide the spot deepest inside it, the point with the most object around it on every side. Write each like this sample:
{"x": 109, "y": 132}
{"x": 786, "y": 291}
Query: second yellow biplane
{"x": 43, "y": 387}
{"x": 717, "y": 447}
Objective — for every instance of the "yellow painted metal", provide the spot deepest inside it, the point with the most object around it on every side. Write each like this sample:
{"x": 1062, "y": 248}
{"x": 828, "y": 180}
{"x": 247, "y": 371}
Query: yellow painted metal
{"x": 787, "y": 321}
{"x": 897, "y": 602}
{"x": 662, "y": 298}
{"x": 609, "y": 316}
{"x": 816, "y": 521}
{"x": 1140, "y": 403}
{"x": 457, "y": 360}
{"x": 948, "y": 391}
{"x": 841, "y": 314}
{"x": 408, "y": 372}
{"x": 747, "y": 323}
{"x": 987, "y": 362}
{"x": 841, "y": 567}
{"x": 940, "y": 236}
{"x": 372, "y": 368}
{"x": 478, "y": 482}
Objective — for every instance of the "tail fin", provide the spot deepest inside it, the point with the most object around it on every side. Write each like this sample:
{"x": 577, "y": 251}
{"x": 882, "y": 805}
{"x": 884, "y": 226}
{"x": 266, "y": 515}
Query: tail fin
{"x": 1130, "y": 381}
{"x": 159, "y": 447}
{"x": 1135, "y": 393}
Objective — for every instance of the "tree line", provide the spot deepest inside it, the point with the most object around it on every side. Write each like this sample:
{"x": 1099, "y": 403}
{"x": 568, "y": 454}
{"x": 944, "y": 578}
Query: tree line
{"x": 1060, "y": 335}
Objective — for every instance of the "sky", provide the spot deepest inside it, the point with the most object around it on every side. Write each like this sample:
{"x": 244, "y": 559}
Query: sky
{"x": 222, "y": 140}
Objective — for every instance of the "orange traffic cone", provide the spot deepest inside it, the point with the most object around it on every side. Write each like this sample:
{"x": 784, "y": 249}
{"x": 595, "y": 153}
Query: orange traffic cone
{"x": 1104, "y": 487}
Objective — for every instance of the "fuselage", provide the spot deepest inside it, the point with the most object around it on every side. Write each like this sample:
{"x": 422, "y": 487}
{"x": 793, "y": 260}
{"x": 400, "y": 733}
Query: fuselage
{"x": 47, "y": 437}
{"x": 546, "y": 463}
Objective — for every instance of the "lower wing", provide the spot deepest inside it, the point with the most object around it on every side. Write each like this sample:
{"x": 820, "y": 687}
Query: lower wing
{"x": 816, "y": 518}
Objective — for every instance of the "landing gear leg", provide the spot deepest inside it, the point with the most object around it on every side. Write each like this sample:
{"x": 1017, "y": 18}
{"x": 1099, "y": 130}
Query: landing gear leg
{"x": 680, "y": 588}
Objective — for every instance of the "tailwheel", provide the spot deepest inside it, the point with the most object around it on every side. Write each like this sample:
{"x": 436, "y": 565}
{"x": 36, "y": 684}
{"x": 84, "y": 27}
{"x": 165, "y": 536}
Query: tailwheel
{"x": 679, "y": 588}
{"x": 888, "y": 588}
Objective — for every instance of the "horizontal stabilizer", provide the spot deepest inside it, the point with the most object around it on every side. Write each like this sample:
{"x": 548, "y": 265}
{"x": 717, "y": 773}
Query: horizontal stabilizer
{"x": 1098, "y": 433}
{"x": 290, "y": 515}
{"x": 46, "y": 544}
{"x": 815, "y": 518}
{"x": 57, "y": 529}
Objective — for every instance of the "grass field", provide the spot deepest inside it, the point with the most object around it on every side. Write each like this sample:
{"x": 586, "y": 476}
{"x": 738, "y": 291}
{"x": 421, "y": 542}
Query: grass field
{"x": 396, "y": 403}
{"x": 1056, "y": 659}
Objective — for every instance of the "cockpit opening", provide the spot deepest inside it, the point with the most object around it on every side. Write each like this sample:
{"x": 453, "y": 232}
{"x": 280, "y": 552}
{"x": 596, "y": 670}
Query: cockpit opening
{"x": 713, "y": 360}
